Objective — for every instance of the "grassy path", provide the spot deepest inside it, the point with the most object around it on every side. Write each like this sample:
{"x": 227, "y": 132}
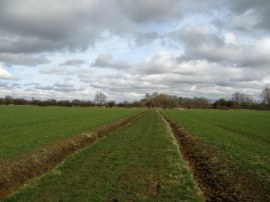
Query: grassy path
{"x": 138, "y": 162}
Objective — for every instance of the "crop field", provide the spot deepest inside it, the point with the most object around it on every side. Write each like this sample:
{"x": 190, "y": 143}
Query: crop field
{"x": 138, "y": 162}
{"x": 157, "y": 155}
{"x": 23, "y": 128}
{"x": 242, "y": 136}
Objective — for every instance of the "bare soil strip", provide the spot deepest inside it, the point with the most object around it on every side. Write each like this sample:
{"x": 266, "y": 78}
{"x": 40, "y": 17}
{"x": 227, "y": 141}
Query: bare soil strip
{"x": 217, "y": 177}
{"x": 14, "y": 173}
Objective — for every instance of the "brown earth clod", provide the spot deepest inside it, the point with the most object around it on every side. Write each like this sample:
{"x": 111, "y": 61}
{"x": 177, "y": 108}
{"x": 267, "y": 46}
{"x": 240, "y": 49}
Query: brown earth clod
{"x": 218, "y": 177}
{"x": 14, "y": 173}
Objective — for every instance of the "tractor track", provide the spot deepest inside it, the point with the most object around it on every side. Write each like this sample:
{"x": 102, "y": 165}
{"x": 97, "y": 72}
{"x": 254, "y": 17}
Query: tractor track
{"x": 217, "y": 177}
{"x": 15, "y": 172}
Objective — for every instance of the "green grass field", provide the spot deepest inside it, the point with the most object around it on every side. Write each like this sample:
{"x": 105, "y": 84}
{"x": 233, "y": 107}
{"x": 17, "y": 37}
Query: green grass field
{"x": 23, "y": 128}
{"x": 243, "y": 136}
{"x": 138, "y": 162}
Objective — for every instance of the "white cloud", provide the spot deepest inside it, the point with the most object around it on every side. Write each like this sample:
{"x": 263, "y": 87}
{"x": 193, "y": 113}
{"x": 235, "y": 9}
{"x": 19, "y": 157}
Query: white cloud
{"x": 4, "y": 74}
{"x": 230, "y": 38}
{"x": 188, "y": 48}
{"x": 164, "y": 72}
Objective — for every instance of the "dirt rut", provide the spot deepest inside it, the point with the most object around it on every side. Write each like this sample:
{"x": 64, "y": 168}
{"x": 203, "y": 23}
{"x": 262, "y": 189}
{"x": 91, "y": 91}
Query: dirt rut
{"x": 14, "y": 173}
{"x": 217, "y": 177}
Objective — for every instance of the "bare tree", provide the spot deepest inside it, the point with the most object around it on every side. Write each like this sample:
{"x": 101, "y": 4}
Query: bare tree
{"x": 237, "y": 99}
{"x": 241, "y": 100}
{"x": 266, "y": 96}
{"x": 8, "y": 100}
{"x": 100, "y": 98}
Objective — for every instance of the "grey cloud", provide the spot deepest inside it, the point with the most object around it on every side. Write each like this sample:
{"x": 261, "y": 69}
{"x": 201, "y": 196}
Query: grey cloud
{"x": 208, "y": 63}
{"x": 200, "y": 7}
{"x": 31, "y": 84}
{"x": 245, "y": 22}
{"x": 106, "y": 61}
{"x": 53, "y": 70}
{"x": 4, "y": 85}
{"x": 201, "y": 43}
{"x": 150, "y": 10}
{"x": 182, "y": 78}
{"x": 124, "y": 84}
{"x": 17, "y": 43}
{"x": 146, "y": 38}
{"x": 31, "y": 26}
{"x": 63, "y": 87}
{"x": 47, "y": 88}
{"x": 22, "y": 59}
{"x": 84, "y": 75}
{"x": 17, "y": 85}
{"x": 173, "y": 84}
{"x": 61, "y": 69}
{"x": 157, "y": 64}
{"x": 73, "y": 62}
{"x": 66, "y": 87}
{"x": 197, "y": 35}
{"x": 165, "y": 62}
{"x": 28, "y": 26}
{"x": 243, "y": 5}
{"x": 260, "y": 8}
{"x": 103, "y": 60}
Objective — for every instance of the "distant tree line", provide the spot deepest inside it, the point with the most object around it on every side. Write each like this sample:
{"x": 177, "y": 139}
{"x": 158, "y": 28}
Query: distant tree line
{"x": 155, "y": 100}
{"x": 8, "y": 100}
{"x": 162, "y": 100}
{"x": 244, "y": 101}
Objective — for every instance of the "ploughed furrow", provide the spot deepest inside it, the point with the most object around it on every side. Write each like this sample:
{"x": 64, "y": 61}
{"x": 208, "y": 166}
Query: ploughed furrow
{"x": 15, "y": 172}
{"x": 137, "y": 162}
{"x": 216, "y": 175}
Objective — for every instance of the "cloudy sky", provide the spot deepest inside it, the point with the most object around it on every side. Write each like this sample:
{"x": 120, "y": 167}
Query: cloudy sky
{"x": 67, "y": 49}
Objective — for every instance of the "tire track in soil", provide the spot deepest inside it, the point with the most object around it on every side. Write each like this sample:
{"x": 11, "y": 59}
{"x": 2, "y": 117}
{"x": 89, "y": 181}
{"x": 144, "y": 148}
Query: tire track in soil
{"x": 218, "y": 178}
{"x": 17, "y": 171}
